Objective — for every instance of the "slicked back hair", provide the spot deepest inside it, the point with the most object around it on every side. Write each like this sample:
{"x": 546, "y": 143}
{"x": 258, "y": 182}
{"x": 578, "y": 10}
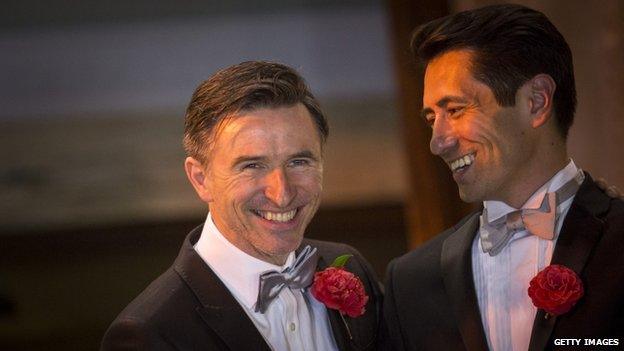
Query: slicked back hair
{"x": 241, "y": 88}
{"x": 511, "y": 44}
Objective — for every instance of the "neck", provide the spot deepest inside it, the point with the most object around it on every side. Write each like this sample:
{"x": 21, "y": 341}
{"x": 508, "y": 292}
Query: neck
{"x": 253, "y": 251}
{"x": 541, "y": 169}
{"x": 277, "y": 260}
{"x": 239, "y": 240}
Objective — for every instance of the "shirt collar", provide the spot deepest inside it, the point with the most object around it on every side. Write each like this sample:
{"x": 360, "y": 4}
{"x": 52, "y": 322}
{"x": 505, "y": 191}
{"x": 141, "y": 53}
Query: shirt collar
{"x": 498, "y": 209}
{"x": 238, "y": 270}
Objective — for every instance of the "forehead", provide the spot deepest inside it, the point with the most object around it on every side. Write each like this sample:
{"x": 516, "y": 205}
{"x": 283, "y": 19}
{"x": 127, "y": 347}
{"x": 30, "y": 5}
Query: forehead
{"x": 449, "y": 66}
{"x": 267, "y": 129}
{"x": 450, "y": 75}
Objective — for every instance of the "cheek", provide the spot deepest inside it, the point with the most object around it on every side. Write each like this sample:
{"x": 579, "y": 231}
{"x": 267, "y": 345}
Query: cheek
{"x": 311, "y": 182}
{"x": 493, "y": 138}
{"x": 238, "y": 190}
{"x": 480, "y": 128}
{"x": 471, "y": 128}
{"x": 512, "y": 142}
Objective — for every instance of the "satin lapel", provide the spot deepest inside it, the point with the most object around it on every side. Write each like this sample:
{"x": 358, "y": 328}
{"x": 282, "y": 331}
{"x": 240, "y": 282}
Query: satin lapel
{"x": 221, "y": 312}
{"x": 582, "y": 228}
{"x": 456, "y": 266}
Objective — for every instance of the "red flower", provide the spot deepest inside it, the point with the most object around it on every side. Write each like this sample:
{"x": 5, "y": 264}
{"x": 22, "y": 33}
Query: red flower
{"x": 340, "y": 290}
{"x": 555, "y": 289}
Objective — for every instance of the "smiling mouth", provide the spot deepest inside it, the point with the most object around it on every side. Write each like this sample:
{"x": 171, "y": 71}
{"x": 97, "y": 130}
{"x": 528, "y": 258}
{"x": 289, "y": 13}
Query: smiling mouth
{"x": 462, "y": 163}
{"x": 281, "y": 217}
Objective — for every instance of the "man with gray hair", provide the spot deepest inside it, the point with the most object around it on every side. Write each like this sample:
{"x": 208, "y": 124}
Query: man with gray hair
{"x": 254, "y": 137}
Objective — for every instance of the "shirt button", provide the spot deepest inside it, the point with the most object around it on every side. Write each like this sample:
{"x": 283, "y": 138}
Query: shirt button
{"x": 292, "y": 327}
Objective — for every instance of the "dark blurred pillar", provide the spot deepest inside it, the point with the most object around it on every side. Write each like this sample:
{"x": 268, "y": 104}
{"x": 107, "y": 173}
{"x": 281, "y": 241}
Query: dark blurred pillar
{"x": 433, "y": 203}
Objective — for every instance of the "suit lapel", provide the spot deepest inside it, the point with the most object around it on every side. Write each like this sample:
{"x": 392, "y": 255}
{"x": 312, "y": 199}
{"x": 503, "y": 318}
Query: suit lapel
{"x": 456, "y": 267}
{"x": 582, "y": 228}
{"x": 218, "y": 308}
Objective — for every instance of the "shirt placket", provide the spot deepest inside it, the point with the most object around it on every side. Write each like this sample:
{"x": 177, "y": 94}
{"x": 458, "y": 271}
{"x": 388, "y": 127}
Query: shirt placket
{"x": 291, "y": 326}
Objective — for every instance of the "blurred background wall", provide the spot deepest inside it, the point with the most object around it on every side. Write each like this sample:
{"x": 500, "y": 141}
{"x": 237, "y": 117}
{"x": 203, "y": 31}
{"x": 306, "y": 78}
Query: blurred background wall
{"x": 94, "y": 203}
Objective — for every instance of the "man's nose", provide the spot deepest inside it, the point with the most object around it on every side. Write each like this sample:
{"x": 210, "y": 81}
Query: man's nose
{"x": 278, "y": 188}
{"x": 443, "y": 137}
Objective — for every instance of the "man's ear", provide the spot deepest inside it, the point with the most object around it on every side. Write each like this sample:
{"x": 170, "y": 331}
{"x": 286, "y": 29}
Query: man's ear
{"x": 541, "y": 89}
{"x": 197, "y": 175}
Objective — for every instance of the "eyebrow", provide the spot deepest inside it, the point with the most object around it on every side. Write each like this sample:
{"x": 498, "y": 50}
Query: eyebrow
{"x": 305, "y": 154}
{"x": 443, "y": 102}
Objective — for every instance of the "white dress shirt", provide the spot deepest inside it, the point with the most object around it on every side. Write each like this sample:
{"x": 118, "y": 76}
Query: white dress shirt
{"x": 294, "y": 320}
{"x": 501, "y": 281}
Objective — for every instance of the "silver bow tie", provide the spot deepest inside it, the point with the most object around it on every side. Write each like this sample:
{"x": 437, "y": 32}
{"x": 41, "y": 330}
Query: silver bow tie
{"x": 298, "y": 276}
{"x": 540, "y": 221}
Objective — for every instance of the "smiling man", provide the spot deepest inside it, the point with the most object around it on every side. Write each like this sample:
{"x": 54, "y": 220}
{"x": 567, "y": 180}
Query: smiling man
{"x": 254, "y": 136}
{"x": 500, "y": 97}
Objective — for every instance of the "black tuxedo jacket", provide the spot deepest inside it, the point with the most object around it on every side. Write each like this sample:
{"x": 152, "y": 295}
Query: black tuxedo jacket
{"x": 189, "y": 308}
{"x": 431, "y": 303}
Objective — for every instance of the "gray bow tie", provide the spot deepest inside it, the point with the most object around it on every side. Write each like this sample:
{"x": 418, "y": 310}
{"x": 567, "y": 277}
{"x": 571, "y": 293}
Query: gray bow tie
{"x": 540, "y": 221}
{"x": 298, "y": 276}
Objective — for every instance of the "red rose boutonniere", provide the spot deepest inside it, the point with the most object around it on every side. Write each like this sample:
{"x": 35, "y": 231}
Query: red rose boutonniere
{"x": 339, "y": 289}
{"x": 555, "y": 289}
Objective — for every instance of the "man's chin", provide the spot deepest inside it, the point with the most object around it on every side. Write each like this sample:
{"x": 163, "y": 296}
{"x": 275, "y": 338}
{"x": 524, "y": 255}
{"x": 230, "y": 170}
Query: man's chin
{"x": 291, "y": 244}
{"x": 468, "y": 196}
{"x": 285, "y": 243}
{"x": 463, "y": 196}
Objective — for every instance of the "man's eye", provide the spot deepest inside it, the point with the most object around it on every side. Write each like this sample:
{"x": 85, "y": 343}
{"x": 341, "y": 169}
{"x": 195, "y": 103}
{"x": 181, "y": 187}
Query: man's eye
{"x": 299, "y": 162}
{"x": 251, "y": 166}
{"x": 429, "y": 119}
{"x": 453, "y": 111}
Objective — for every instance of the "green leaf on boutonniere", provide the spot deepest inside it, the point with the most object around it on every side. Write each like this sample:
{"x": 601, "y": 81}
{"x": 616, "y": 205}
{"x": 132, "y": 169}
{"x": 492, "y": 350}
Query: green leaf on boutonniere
{"x": 340, "y": 261}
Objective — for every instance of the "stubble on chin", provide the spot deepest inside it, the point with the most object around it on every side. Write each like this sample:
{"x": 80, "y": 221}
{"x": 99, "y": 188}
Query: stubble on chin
{"x": 470, "y": 193}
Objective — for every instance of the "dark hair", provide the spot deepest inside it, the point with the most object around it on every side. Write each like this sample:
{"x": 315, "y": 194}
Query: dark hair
{"x": 243, "y": 87}
{"x": 511, "y": 45}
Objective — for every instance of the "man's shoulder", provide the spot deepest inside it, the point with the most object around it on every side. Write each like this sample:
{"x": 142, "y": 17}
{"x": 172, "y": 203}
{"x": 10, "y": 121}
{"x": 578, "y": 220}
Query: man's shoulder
{"x": 595, "y": 201}
{"x": 612, "y": 220}
{"x": 616, "y": 210}
{"x": 161, "y": 298}
{"x": 158, "y": 311}
{"x": 430, "y": 251}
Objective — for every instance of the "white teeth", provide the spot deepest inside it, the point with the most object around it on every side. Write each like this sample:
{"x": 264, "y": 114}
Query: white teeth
{"x": 465, "y": 160}
{"x": 278, "y": 216}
